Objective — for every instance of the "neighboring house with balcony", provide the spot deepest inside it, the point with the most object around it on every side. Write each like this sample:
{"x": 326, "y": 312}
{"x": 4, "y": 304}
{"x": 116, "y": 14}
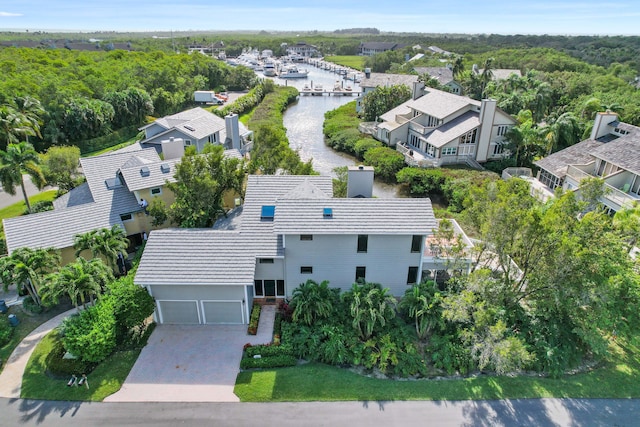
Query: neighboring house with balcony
{"x": 444, "y": 76}
{"x": 302, "y": 49}
{"x": 115, "y": 184}
{"x": 436, "y": 127}
{"x": 612, "y": 153}
{"x": 198, "y": 127}
{"x": 289, "y": 230}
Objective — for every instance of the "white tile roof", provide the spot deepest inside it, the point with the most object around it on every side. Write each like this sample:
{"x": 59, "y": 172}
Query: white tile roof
{"x": 454, "y": 129}
{"x": 354, "y": 216}
{"x": 157, "y": 176}
{"x": 440, "y": 104}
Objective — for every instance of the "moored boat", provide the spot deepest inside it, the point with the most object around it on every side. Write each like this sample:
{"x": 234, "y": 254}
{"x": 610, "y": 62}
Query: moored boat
{"x": 293, "y": 72}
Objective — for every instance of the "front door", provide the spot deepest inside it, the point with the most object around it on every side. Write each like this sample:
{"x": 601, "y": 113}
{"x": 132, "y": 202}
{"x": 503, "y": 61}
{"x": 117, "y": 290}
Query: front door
{"x": 269, "y": 288}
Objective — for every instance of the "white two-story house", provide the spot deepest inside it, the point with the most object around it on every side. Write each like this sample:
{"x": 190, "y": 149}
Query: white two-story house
{"x": 289, "y": 230}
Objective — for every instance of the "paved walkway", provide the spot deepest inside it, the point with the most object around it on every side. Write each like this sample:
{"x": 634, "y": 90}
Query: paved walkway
{"x": 11, "y": 376}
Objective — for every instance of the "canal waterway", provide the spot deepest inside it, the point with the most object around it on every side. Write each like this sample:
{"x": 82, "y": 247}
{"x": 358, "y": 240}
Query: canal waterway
{"x": 303, "y": 120}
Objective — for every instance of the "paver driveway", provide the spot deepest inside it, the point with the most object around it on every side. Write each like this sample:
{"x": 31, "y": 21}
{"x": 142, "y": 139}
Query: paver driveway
{"x": 196, "y": 363}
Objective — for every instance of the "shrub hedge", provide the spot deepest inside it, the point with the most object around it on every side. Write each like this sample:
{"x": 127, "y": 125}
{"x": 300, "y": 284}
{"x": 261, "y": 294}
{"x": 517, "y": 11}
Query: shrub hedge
{"x": 254, "y": 320}
{"x": 56, "y": 366}
{"x": 6, "y": 331}
{"x": 268, "y": 362}
{"x": 268, "y": 351}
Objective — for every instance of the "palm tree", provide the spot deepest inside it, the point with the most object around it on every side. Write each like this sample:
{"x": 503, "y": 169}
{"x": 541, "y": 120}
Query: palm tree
{"x": 371, "y": 306}
{"x": 458, "y": 67}
{"x": 31, "y": 111}
{"x": 421, "y": 302}
{"x": 27, "y": 267}
{"x": 80, "y": 280}
{"x": 563, "y": 132}
{"x": 17, "y": 160}
{"x": 13, "y": 125}
{"x": 105, "y": 242}
{"x": 312, "y": 301}
{"x": 487, "y": 74}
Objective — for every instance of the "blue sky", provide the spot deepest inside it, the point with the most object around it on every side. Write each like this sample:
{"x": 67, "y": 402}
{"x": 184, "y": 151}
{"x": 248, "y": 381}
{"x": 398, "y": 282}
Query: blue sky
{"x": 426, "y": 16}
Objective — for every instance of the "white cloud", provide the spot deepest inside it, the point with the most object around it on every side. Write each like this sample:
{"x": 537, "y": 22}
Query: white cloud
{"x": 5, "y": 14}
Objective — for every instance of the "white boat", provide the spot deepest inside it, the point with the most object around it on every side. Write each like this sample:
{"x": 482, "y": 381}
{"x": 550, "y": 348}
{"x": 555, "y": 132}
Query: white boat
{"x": 318, "y": 90}
{"x": 269, "y": 69}
{"x": 293, "y": 72}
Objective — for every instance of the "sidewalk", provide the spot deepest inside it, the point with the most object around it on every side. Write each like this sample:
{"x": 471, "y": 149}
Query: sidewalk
{"x": 11, "y": 376}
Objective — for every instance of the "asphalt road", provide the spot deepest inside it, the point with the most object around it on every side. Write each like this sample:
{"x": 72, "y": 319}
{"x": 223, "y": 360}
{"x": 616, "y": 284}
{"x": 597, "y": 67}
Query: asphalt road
{"x": 7, "y": 199}
{"x": 524, "y": 412}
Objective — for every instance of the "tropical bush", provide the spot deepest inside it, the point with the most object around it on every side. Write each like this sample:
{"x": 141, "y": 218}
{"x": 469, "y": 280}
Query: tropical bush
{"x": 254, "y": 319}
{"x": 91, "y": 334}
{"x": 29, "y": 305}
{"x": 386, "y": 162}
{"x": 268, "y": 362}
{"x": 267, "y": 350}
{"x": 58, "y": 366}
{"x": 132, "y": 306}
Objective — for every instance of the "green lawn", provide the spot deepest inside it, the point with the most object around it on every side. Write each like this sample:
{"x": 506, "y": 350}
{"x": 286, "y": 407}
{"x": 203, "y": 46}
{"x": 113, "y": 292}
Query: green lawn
{"x": 352, "y": 61}
{"x": 105, "y": 380}
{"x": 18, "y": 208}
{"x": 618, "y": 378}
{"x": 28, "y": 322}
{"x": 112, "y": 148}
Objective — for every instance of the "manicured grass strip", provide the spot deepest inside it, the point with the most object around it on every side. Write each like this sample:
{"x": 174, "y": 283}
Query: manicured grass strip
{"x": 112, "y": 148}
{"x": 105, "y": 380}
{"x": 353, "y": 61}
{"x": 18, "y": 208}
{"x": 317, "y": 382}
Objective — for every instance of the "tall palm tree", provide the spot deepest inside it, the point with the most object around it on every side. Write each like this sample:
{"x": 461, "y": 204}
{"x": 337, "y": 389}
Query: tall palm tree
{"x": 31, "y": 111}
{"x": 105, "y": 242}
{"x": 20, "y": 159}
{"x": 80, "y": 280}
{"x": 12, "y": 126}
{"x": 563, "y": 132}
{"x": 28, "y": 267}
{"x": 457, "y": 67}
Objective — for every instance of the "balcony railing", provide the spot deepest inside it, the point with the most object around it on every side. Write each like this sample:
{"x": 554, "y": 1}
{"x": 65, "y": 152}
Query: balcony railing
{"x": 577, "y": 174}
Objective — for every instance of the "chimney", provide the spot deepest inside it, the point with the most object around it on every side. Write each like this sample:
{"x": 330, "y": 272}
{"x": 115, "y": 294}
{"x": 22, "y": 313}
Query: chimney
{"x": 232, "y": 128}
{"x": 418, "y": 90}
{"x": 360, "y": 181}
{"x": 487, "y": 119}
{"x": 601, "y": 124}
{"x": 173, "y": 148}
{"x": 367, "y": 73}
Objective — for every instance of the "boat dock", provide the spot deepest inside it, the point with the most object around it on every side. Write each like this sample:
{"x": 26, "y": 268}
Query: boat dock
{"x": 329, "y": 92}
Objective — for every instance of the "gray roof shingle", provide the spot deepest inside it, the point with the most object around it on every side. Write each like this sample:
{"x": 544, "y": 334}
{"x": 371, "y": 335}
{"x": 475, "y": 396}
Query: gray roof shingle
{"x": 440, "y": 104}
{"x": 383, "y": 79}
{"x": 453, "y": 129}
{"x": 577, "y": 154}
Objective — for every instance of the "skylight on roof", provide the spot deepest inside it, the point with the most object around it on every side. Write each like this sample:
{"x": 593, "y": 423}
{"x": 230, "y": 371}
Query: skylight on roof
{"x": 165, "y": 168}
{"x": 268, "y": 212}
{"x": 189, "y": 128}
{"x": 327, "y": 213}
{"x": 113, "y": 183}
{"x": 144, "y": 171}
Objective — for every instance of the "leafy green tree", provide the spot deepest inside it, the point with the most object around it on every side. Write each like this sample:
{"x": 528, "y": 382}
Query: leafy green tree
{"x": 201, "y": 183}
{"x": 383, "y": 99}
{"x": 371, "y": 307}
{"x": 562, "y": 132}
{"x": 132, "y": 306}
{"x": 312, "y": 301}
{"x": 28, "y": 267}
{"x": 386, "y": 162}
{"x": 131, "y": 106}
{"x": 340, "y": 181}
{"x": 20, "y": 159}
{"x": 81, "y": 280}
{"x": 627, "y": 223}
{"x": 158, "y": 212}
{"x": 32, "y": 113}
{"x": 60, "y": 166}
{"x": 104, "y": 242}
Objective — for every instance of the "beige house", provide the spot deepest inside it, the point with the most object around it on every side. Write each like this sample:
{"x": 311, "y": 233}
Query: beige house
{"x": 115, "y": 185}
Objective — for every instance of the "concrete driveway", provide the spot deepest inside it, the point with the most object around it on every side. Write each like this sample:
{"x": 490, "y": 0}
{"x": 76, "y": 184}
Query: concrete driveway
{"x": 195, "y": 363}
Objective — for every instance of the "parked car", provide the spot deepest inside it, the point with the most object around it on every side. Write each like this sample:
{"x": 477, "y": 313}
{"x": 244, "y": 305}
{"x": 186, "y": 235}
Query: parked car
{"x": 223, "y": 95}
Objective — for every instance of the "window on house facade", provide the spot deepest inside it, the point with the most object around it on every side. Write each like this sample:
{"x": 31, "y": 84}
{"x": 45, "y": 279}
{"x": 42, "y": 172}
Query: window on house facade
{"x": 412, "y": 276}
{"x": 187, "y": 142}
{"x": 306, "y": 270}
{"x": 258, "y": 289}
{"x": 280, "y": 288}
{"x": 156, "y": 191}
{"x": 469, "y": 137}
{"x": 361, "y": 272}
{"x": 126, "y": 217}
{"x": 416, "y": 243}
{"x": 549, "y": 179}
{"x": 498, "y": 148}
{"x": 502, "y": 130}
{"x": 265, "y": 260}
{"x": 306, "y": 237}
{"x": 449, "y": 151}
{"x": 363, "y": 242}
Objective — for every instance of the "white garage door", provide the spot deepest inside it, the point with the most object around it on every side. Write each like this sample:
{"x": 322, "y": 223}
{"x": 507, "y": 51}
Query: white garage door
{"x": 229, "y": 312}
{"x": 179, "y": 312}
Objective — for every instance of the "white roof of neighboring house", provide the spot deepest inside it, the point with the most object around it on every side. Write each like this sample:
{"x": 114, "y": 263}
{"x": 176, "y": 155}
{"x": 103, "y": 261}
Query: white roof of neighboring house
{"x": 400, "y": 110}
{"x": 155, "y": 174}
{"x": 440, "y": 104}
{"x": 384, "y": 79}
{"x": 444, "y": 75}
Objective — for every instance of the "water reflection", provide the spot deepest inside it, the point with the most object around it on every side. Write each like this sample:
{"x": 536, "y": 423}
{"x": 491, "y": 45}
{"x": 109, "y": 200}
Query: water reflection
{"x": 304, "y": 119}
